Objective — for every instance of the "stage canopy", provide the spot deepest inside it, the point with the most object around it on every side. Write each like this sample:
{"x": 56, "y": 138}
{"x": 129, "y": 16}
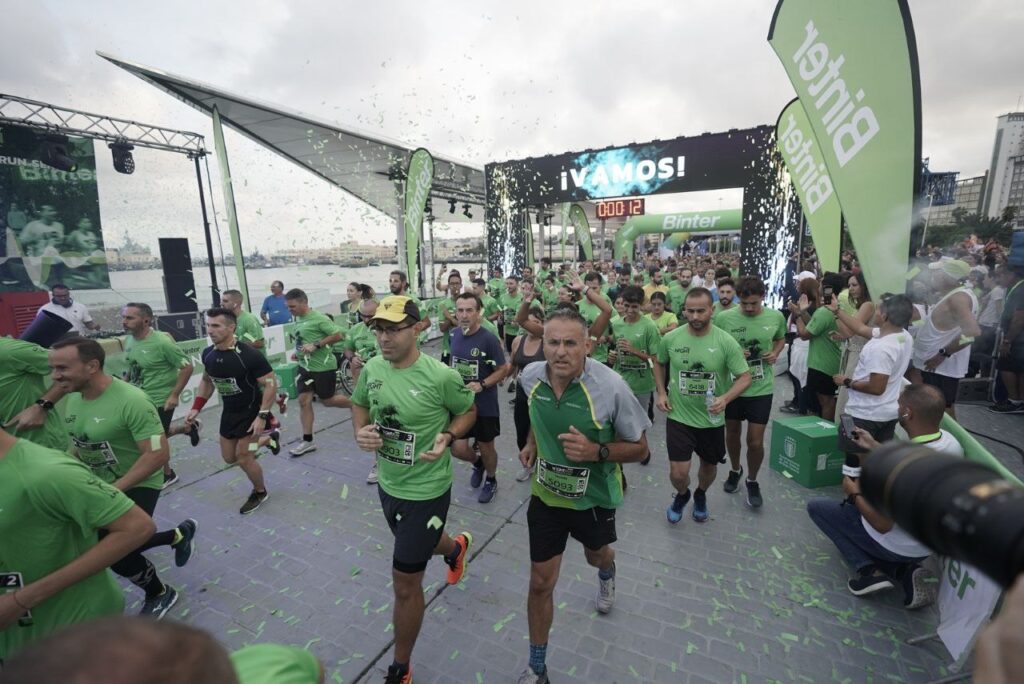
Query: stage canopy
{"x": 361, "y": 164}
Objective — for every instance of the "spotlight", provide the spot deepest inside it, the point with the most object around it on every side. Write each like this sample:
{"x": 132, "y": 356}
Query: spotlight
{"x": 123, "y": 160}
{"x": 451, "y": 206}
{"x": 428, "y": 207}
{"x": 465, "y": 211}
{"x": 55, "y": 152}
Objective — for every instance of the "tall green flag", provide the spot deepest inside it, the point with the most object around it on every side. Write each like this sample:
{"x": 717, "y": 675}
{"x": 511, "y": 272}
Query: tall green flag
{"x": 810, "y": 177}
{"x": 566, "y": 208}
{"x": 529, "y": 238}
{"x": 418, "y": 179}
{"x": 854, "y": 68}
{"x": 581, "y": 225}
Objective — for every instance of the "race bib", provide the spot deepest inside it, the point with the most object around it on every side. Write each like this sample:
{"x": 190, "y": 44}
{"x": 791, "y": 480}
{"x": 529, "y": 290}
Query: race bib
{"x": 756, "y": 369}
{"x": 226, "y": 386}
{"x": 9, "y": 583}
{"x": 696, "y": 383}
{"x": 95, "y": 454}
{"x": 399, "y": 445}
{"x": 566, "y": 481}
{"x": 468, "y": 369}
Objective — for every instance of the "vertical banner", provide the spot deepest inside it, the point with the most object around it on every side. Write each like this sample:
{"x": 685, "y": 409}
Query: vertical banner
{"x": 229, "y": 205}
{"x": 581, "y": 225}
{"x": 418, "y": 179}
{"x": 854, "y": 68}
{"x": 799, "y": 149}
{"x": 528, "y": 227}
{"x": 566, "y": 208}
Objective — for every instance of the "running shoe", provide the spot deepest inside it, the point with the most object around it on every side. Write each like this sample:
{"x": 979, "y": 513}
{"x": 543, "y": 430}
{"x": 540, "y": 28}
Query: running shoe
{"x": 457, "y": 570}
{"x": 282, "y": 403}
{"x": 791, "y": 408}
{"x": 254, "y": 501}
{"x": 394, "y": 676}
{"x": 169, "y": 479}
{"x": 700, "y": 508}
{"x": 275, "y": 442}
{"x": 675, "y": 510}
{"x": 605, "y": 593}
{"x": 869, "y": 582}
{"x": 647, "y": 459}
{"x": 919, "y": 588}
{"x": 528, "y": 676}
{"x": 371, "y": 477}
{"x": 193, "y": 432}
{"x": 524, "y": 475}
{"x": 732, "y": 483}
{"x": 303, "y": 448}
{"x": 186, "y": 548}
{"x": 488, "y": 492}
{"x": 158, "y": 606}
{"x": 1007, "y": 407}
{"x": 477, "y": 477}
{"x": 754, "y": 498}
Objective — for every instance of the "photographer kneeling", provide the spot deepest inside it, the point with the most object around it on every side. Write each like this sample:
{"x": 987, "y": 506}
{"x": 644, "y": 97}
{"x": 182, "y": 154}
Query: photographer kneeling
{"x": 883, "y": 554}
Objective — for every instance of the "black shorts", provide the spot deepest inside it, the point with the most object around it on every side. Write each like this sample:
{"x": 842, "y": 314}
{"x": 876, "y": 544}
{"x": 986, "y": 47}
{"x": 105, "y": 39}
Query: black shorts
{"x": 881, "y": 431}
{"x": 485, "y": 429}
{"x": 165, "y": 418}
{"x": 683, "y": 441}
{"x": 752, "y": 409}
{"x": 1012, "y": 362}
{"x": 324, "y": 383}
{"x": 820, "y": 383}
{"x": 235, "y": 423}
{"x": 945, "y": 384}
{"x": 551, "y": 526}
{"x": 415, "y": 537}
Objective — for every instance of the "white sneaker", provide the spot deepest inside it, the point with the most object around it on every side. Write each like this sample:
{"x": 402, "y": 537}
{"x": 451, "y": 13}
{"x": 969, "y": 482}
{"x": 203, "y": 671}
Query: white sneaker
{"x": 371, "y": 477}
{"x": 525, "y": 475}
{"x": 528, "y": 676}
{"x": 303, "y": 448}
{"x": 605, "y": 594}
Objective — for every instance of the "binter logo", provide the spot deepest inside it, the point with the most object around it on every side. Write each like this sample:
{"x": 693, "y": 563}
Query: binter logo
{"x": 621, "y": 172}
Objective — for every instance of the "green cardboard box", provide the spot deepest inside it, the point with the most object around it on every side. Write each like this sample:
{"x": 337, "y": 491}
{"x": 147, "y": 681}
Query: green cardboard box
{"x": 805, "y": 448}
{"x": 286, "y": 374}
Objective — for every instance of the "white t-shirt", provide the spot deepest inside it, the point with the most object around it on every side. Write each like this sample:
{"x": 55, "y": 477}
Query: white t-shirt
{"x": 989, "y": 316}
{"x": 77, "y": 314}
{"x": 896, "y": 540}
{"x": 889, "y": 355}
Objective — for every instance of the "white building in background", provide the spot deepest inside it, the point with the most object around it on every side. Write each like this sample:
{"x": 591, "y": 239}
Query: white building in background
{"x": 1006, "y": 173}
{"x": 968, "y": 195}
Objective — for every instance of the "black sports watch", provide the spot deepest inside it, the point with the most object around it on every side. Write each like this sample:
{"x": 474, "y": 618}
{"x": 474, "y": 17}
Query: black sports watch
{"x": 45, "y": 403}
{"x": 603, "y": 453}
{"x": 848, "y": 382}
{"x": 944, "y": 353}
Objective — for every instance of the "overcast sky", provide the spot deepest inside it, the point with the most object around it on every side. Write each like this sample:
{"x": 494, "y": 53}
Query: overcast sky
{"x": 464, "y": 79}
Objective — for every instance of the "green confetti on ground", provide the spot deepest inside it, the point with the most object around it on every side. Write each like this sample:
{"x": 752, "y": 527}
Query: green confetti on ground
{"x": 789, "y": 637}
{"x": 184, "y": 613}
{"x": 310, "y": 643}
{"x": 572, "y": 671}
{"x": 632, "y": 671}
{"x": 355, "y": 571}
{"x": 337, "y": 677}
{"x": 500, "y": 624}
{"x": 673, "y": 665}
{"x": 562, "y": 605}
{"x": 479, "y": 678}
{"x": 454, "y": 655}
{"x": 344, "y": 492}
{"x": 233, "y": 631}
{"x": 691, "y": 648}
{"x": 778, "y": 554}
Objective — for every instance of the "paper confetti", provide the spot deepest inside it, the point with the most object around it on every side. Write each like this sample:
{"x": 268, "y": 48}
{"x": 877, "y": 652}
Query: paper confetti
{"x": 434, "y": 523}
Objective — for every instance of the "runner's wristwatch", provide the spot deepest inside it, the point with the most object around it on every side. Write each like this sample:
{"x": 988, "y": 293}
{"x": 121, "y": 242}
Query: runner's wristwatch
{"x": 45, "y": 403}
{"x": 603, "y": 453}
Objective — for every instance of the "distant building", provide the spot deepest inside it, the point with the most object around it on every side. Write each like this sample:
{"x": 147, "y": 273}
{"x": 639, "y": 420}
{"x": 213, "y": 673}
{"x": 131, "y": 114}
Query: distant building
{"x": 1006, "y": 173}
{"x": 967, "y": 195}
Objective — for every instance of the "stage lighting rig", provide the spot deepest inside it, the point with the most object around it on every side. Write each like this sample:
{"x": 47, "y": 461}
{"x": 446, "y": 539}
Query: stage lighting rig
{"x": 465, "y": 211}
{"x": 123, "y": 160}
{"x": 55, "y": 152}
{"x": 451, "y": 206}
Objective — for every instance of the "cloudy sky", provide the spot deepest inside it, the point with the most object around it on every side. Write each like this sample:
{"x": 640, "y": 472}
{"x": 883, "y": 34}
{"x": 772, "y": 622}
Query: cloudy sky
{"x": 470, "y": 80}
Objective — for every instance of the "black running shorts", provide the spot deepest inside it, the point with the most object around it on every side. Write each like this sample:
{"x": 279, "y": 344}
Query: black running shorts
{"x": 551, "y": 526}
{"x": 415, "y": 528}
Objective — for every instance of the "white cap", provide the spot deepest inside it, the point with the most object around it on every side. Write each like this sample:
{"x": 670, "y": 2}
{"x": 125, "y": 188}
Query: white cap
{"x": 803, "y": 275}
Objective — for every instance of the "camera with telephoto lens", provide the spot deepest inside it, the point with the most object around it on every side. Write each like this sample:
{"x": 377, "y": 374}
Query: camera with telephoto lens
{"x": 958, "y": 508}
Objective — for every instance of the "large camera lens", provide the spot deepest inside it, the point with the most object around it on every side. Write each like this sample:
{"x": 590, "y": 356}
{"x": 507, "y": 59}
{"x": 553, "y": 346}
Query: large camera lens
{"x": 958, "y": 508}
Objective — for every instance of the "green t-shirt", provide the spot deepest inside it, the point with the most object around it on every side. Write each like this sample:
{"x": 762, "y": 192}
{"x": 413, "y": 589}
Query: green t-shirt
{"x": 52, "y": 508}
{"x": 310, "y": 329}
{"x": 275, "y": 664}
{"x": 23, "y": 370}
{"x": 361, "y": 340}
{"x": 590, "y": 312}
{"x": 490, "y": 327}
{"x": 443, "y": 306}
{"x": 153, "y": 364}
{"x": 757, "y": 336}
{"x": 717, "y": 310}
{"x": 412, "y": 406}
{"x": 105, "y": 431}
{"x": 823, "y": 353}
{"x": 250, "y": 330}
{"x": 510, "y": 307}
{"x": 601, "y": 406}
{"x": 677, "y": 297}
{"x": 496, "y": 286}
{"x": 643, "y": 335}
{"x": 491, "y": 306}
{"x": 666, "y": 319}
{"x": 695, "y": 362}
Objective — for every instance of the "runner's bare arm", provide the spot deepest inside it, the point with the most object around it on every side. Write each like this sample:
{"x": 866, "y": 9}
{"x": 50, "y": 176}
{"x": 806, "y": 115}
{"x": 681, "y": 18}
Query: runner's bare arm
{"x": 150, "y": 461}
{"x": 600, "y": 324}
{"x": 964, "y": 316}
{"x": 184, "y": 373}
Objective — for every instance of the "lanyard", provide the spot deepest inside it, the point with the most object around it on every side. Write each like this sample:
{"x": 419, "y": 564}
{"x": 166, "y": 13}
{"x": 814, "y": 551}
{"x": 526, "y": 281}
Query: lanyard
{"x": 926, "y": 438}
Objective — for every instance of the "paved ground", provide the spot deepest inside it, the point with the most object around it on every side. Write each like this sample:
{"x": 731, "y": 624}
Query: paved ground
{"x": 748, "y": 597}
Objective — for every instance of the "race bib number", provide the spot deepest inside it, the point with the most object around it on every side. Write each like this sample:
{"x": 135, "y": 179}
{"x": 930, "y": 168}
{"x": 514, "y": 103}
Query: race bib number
{"x": 399, "y": 445}
{"x": 226, "y": 386}
{"x": 566, "y": 481}
{"x": 756, "y": 369}
{"x": 632, "y": 363}
{"x": 95, "y": 454}
{"x": 696, "y": 383}
{"x": 9, "y": 583}
{"x": 468, "y": 369}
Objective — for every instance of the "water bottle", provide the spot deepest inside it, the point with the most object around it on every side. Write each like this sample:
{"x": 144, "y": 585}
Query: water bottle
{"x": 709, "y": 399}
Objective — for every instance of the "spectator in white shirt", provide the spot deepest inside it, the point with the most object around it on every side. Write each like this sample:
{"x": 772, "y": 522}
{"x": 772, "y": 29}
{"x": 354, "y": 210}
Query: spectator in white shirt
{"x": 61, "y": 304}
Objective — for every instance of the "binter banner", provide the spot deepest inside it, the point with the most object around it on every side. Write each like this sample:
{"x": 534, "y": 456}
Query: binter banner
{"x": 418, "y": 179}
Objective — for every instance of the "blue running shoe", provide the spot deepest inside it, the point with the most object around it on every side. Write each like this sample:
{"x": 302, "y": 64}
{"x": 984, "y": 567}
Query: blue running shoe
{"x": 675, "y": 510}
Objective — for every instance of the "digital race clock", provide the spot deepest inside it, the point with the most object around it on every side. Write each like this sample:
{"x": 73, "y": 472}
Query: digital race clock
{"x": 607, "y": 209}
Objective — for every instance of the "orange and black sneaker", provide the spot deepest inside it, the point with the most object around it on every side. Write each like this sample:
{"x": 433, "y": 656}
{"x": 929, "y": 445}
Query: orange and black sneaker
{"x": 396, "y": 676}
{"x": 457, "y": 567}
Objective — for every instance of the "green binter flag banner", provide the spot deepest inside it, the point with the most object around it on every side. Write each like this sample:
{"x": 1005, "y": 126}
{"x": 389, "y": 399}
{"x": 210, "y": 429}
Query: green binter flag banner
{"x": 418, "y": 180}
{"x": 581, "y": 225}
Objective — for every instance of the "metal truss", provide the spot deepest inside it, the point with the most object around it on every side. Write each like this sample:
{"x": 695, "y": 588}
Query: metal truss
{"x": 54, "y": 119}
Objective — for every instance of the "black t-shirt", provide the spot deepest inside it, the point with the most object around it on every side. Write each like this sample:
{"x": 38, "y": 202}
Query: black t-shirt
{"x": 235, "y": 373}
{"x": 1013, "y": 303}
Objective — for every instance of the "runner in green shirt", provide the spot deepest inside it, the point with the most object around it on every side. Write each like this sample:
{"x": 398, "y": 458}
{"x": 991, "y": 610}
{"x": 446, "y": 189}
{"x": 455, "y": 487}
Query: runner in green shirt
{"x": 761, "y": 333}
{"x": 678, "y": 289}
{"x": 314, "y": 333}
{"x": 52, "y": 561}
{"x": 726, "y": 298}
{"x": 590, "y": 311}
{"x": 496, "y": 285}
{"x": 158, "y": 366}
{"x": 408, "y": 408}
{"x": 510, "y": 300}
{"x": 26, "y": 405}
{"x": 823, "y": 350}
{"x": 398, "y": 284}
{"x": 117, "y": 433}
{"x": 585, "y": 424}
{"x": 665, "y": 320}
{"x": 702, "y": 361}
{"x": 249, "y": 328}
{"x": 492, "y": 309}
{"x": 446, "y": 316}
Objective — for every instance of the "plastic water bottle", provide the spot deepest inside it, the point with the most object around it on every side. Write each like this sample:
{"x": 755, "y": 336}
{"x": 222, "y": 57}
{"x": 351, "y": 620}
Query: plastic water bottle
{"x": 709, "y": 400}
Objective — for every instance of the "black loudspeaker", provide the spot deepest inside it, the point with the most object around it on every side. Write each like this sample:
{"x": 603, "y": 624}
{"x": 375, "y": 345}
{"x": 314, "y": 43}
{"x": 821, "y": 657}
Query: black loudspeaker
{"x": 179, "y": 285}
{"x": 181, "y": 326}
{"x": 46, "y": 329}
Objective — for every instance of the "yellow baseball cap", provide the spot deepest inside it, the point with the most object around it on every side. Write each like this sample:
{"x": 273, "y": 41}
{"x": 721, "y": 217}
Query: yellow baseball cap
{"x": 954, "y": 268}
{"x": 396, "y": 308}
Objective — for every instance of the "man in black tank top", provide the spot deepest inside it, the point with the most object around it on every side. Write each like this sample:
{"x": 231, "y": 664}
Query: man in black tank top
{"x": 248, "y": 389}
